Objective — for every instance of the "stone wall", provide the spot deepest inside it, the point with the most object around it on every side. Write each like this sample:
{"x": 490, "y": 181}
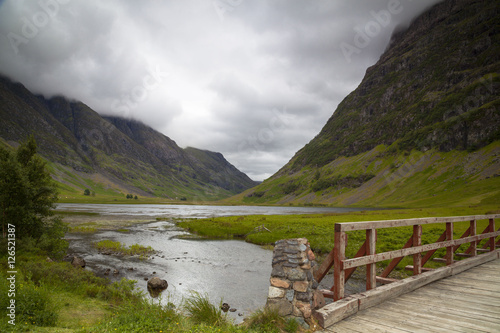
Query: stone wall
{"x": 293, "y": 291}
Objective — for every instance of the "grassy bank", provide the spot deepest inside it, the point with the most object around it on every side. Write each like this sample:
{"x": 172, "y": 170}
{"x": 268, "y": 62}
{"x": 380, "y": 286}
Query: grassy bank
{"x": 53, "y": 296}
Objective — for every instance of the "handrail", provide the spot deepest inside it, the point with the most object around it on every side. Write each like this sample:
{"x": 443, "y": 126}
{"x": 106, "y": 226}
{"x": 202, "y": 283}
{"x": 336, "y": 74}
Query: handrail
{"x": 366, "y": 256}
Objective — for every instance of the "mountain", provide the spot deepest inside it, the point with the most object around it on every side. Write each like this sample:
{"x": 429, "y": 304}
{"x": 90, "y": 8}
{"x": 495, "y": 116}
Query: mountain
{"x": 425, "y": 112}
{"x": 112, "y": 155}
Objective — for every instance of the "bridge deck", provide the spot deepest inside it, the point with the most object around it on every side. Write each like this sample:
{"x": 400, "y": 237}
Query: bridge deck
{"x": 467, "y": 302}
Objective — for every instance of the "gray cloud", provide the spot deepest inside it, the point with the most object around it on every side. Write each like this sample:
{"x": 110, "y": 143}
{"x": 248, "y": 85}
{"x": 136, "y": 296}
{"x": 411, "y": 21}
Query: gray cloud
{"x": 254, "y": 80}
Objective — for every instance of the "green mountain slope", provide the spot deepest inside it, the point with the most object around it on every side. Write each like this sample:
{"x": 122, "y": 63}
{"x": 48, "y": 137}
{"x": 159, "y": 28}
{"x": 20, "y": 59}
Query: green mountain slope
{"x": 422, "y": 114}
{"x": 110, "y": 155}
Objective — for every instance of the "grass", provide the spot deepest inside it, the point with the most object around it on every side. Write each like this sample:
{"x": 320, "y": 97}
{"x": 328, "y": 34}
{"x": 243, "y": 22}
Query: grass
{"x": 119, "y": 248}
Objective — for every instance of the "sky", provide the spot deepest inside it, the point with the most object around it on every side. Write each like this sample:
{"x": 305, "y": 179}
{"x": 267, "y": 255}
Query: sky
{"x": 253, "y": 80}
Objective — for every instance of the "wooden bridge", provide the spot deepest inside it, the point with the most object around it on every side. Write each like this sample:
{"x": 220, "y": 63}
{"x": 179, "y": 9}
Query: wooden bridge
{"x": 462, "y": 296}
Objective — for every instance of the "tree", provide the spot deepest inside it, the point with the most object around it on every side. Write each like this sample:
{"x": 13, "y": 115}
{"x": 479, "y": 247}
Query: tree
{"x": 28, "y": 194}
{"x": 86, "y": 192}
{"x": 136, "y": 197}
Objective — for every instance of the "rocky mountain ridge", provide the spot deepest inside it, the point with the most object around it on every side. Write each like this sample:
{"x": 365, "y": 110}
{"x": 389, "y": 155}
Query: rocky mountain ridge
{"x": 112, "y": 153}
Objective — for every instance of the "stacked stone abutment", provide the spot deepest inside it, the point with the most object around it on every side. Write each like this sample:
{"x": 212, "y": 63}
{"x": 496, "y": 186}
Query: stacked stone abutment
{"x": 293, "y": 291}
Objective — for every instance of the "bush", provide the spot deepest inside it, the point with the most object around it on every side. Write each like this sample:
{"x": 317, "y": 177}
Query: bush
{"x": 33, "y": 303}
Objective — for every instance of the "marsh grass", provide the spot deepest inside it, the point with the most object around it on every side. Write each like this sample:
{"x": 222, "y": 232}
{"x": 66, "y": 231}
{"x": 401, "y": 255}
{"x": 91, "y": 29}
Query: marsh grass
{"x": 201, "y": 311}
{"x": 117, "y": 247}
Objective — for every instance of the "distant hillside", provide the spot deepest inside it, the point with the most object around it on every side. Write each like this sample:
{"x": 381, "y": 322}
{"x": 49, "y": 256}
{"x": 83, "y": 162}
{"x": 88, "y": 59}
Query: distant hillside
{"x": 111, "y": 155}
{"x": 430, "y": 105}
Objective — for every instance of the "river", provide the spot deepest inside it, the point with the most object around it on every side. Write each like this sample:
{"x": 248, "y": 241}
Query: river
{"x": 234, "y": 271}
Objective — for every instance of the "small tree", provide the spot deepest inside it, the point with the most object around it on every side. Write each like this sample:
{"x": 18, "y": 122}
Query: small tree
{"x": 28, "y": 195}
{"x": 136, "y": 197}
{"x": 86, "y": 192}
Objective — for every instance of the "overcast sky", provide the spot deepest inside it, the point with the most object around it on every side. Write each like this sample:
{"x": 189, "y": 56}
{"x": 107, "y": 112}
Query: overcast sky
{"x": 253, "y": 80}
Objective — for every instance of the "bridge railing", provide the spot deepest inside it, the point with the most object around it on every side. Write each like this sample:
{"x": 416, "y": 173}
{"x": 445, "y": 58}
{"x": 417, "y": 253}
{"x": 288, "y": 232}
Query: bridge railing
{"x": 344, "y": 267}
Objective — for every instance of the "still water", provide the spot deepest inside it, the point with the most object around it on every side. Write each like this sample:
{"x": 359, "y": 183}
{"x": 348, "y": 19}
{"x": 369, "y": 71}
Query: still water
{"x": 234, "y": 271}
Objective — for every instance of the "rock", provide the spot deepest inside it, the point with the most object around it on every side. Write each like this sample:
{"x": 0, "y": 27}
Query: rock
{"x": 295, "y": 274}
{"x": 107, "y": 271}
{"x": 115, "y": 272}
{"x": 318, "y": 300}
{"x": 283, "y": 306}
{"x": 305, "y": 308}
{"x": 276, "y": 292}
{"x": 225, "y": 307}
{"x": 154, "y": 273}
{"x": 156, "y": 286}
{"x": 78, "y": 262}
{"x": 275, "y": 282}
{"x": 232, "y": 310}
{"x": 301, "y": 286}
{"x": 48, "y": 260}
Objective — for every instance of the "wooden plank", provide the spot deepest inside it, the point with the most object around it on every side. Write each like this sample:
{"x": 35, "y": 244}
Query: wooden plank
{"x": 376, "y": 296}
{"x": 449, "y": 249}
{"x": 473, "y": 245}
{"x": 467, "y": 319}
{"x": 417, "y": 257}
{"x": 379, "y": 325}
{"x": 455, "y": 306}
{"x": 424, "y": 314}
{"x": 336, "y": 311}
{"x": 324, "y": 267}
{"x": 468, "y": 284}
{"x": 369, "y": 259}
{"x": 351, "y": 226}
{"x": 492, "y": 239}
{"x": 371, "y": 271}
{"x": 475, "y": 297}
{"x": 406, "y": 321}
{"x": 340, "y": 244}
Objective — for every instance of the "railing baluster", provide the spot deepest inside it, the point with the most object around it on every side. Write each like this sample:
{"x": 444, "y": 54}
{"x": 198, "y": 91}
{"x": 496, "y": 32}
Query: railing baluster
{"x": 371, "y": 271}
{"x": 473, "y": 231}
{"x": 417, "y": 241}
{"x": 449, "y": 249}
{"x": 338, "y": 266}
{"x": 492, "y": 239}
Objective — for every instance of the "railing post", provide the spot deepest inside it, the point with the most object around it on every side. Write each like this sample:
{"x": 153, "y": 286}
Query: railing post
{"x": 473, "y": 232}
{"x": 492, "y": 239}
{"x": 417, "y": 257}
{"x": 338, "y": 263}
{"x": 371, "y": 271}
{"x": 449, "y": 249}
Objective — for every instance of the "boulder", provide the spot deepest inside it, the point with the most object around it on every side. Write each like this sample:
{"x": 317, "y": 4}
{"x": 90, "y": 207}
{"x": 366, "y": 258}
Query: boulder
{"x": 156, "y": 286}
{"x": 78, "y": 262}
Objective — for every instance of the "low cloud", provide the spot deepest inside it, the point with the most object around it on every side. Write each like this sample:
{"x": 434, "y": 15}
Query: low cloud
{"x": 253, "y": 80}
